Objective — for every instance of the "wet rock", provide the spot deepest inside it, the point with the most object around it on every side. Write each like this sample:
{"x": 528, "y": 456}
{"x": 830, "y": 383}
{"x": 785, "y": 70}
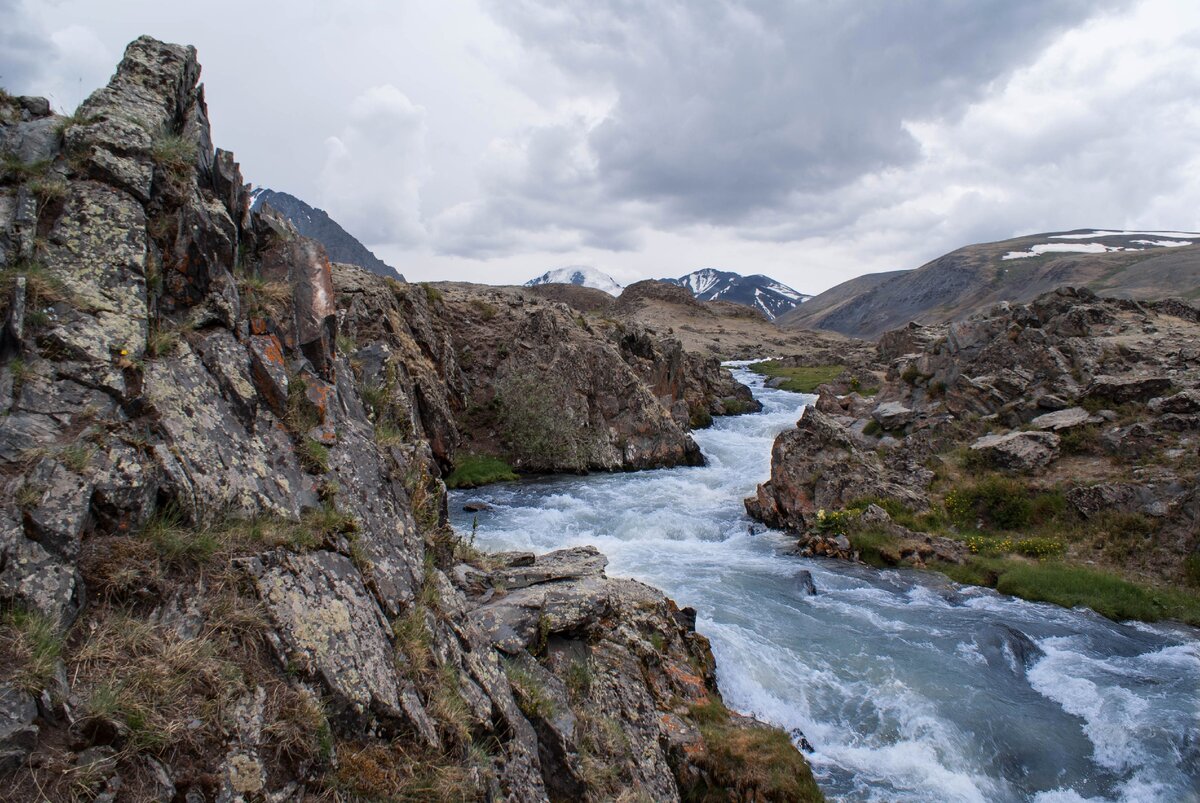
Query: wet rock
{"x": 1006, "y": 647}
{"x": 476, "y": 507}
{"x": 1018, "y": 452}
{"x": 803, "y": 582}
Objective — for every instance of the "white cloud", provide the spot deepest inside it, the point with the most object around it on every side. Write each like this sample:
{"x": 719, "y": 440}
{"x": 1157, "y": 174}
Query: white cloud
{"x": 376, "y": 166}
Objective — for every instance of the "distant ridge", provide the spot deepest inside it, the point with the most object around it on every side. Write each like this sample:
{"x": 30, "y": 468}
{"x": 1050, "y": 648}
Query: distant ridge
{"x": 580, "y": 275}
{"x": 1141, "y": 265}
{"x": 316, "y": 223}
{"x": 759, "y": 292}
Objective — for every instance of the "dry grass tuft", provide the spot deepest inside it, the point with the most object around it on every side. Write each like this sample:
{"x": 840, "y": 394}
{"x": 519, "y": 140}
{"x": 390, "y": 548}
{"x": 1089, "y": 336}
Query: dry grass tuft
{"x": 30, "y": 648}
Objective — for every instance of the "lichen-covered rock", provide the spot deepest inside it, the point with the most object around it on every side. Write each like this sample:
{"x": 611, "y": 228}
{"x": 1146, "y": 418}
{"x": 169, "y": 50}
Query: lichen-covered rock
{"x": 221, "y": 510}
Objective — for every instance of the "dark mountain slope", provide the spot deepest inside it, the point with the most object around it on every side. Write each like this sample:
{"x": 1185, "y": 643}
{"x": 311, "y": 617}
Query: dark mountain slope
{"x": 1136, "y": 265}
{"x": 340, "y": 244}
{"x": 759, "y": 292}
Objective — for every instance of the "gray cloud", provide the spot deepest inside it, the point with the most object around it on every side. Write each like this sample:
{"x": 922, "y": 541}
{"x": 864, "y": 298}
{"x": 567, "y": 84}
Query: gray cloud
{"x": 725, "y": 109}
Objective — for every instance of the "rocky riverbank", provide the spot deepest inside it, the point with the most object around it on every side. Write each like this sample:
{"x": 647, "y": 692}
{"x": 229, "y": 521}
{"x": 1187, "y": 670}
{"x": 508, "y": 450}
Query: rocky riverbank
{"x": 225, "y": 569}
{"x": 1048, "y": 449}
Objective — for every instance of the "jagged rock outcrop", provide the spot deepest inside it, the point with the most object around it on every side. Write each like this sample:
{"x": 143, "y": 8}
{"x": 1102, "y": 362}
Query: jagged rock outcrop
{"x": 817, "y": 466}
{"x": 1070, "y": 398}
{"x": 224, "y": 565}
{"x": 500, "y": 371}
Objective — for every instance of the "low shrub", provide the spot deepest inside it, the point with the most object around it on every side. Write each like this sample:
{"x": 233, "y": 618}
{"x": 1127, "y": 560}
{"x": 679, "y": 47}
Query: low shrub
{"x": 996, "y": 503}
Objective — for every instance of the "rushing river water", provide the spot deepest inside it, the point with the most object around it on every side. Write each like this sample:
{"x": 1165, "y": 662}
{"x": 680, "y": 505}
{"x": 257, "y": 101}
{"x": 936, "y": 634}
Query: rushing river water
{"x": 909, "y": 687}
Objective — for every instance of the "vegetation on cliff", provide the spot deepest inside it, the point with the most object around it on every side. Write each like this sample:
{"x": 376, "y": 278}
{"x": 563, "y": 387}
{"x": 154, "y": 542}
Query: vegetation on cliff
{"x": 225, "y": 570}
{"x": 1045, "y": 450}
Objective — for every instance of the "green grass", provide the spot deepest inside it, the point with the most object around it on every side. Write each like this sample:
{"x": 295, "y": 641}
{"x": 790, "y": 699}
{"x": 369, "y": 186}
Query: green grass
{"x": 1072, "y": 586}
{"x": 314, "y": 456}
{"x": 875, "y": 548}
{"x": 803, "y": 379}
{"x": 32, "y": 645}
{"x": 472, "y": 471}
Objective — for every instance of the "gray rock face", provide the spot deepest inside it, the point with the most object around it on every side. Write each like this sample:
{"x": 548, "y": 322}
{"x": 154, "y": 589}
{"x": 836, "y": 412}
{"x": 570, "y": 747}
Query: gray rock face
{"x": 1019, "y": 452}
{"x": 250, "y": 519}
{"x": 331, "y": 628}
{"x": 18, "y": 734}
{"x": 1120, "y": 390}
{"x": 892, "y": 415}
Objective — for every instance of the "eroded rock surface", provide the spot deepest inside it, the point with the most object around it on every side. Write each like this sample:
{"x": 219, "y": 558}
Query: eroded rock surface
{"x": 225, "y": 570}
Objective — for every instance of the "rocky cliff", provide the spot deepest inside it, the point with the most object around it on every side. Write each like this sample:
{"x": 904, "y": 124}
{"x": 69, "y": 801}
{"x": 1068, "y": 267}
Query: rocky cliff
{"x": 1059, "y": 431}
{"x": 225, "y": 572}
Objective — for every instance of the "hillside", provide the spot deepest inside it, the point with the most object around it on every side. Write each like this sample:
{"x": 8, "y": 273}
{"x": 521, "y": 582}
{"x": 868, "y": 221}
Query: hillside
{"x": 759, "y": 292}
{"x": 1120, "y": 264}
{"x": 340, "y": 244}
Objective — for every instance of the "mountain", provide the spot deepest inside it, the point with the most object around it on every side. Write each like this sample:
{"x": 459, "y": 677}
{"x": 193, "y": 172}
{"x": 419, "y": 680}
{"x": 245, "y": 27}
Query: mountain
{"x": 1122, "y": 264}
{"x": 317, "y": 224}
{"x": 580, "y": 275}
{"x": 760, "y": 292}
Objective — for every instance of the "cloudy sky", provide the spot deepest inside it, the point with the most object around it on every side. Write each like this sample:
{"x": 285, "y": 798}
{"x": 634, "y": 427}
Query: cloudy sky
{"x": 811, "y": 140}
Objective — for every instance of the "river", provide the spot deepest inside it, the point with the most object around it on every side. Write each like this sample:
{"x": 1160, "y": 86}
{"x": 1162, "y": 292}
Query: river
{"x": 909, "y": 687}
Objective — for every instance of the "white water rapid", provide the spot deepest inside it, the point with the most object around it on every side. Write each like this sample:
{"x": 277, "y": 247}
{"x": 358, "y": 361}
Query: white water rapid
{"x": 909, "y": 687}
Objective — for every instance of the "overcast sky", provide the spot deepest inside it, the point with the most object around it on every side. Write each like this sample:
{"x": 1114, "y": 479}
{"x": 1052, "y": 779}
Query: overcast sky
{"x": 811, "y": 140}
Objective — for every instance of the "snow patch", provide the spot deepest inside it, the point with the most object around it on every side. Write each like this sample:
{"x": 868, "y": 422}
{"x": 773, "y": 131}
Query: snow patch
{"x": 1107, "y": 233}
{"x": 581, "y": 275}
{"x": 1061, "y": 248}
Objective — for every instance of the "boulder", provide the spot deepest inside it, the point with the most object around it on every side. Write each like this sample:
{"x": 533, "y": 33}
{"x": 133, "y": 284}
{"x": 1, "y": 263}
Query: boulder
{"x": 818, "y": 465}
{"x": 892, "y": 415}
{"x": 1018, "y": 452}
{"x": 1064, "y": 419}
{"x": 1122, "y": 390}
{"x": 1185, "y": 402}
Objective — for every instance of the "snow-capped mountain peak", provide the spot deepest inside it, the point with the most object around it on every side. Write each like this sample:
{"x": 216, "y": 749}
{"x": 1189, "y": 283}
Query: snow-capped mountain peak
{"x": 581, "y": 275}
{"x": 763, "y": 293}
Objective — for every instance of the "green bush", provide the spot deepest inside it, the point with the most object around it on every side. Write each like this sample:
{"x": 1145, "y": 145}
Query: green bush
{"x": 1040, "y": 548}
{"x": 998, "y": 502}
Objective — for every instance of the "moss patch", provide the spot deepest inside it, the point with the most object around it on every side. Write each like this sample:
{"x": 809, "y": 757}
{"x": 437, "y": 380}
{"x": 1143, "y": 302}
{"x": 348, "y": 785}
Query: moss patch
{"x": 1071, "y": 586}
{"x": 802, "y": 379}
{"x": 472, "y": 471}
{"x": 748, "y": 762}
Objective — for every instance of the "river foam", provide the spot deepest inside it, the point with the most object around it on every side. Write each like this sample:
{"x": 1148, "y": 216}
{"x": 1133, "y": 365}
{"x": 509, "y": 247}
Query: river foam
{"x": 909, "y": 687}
